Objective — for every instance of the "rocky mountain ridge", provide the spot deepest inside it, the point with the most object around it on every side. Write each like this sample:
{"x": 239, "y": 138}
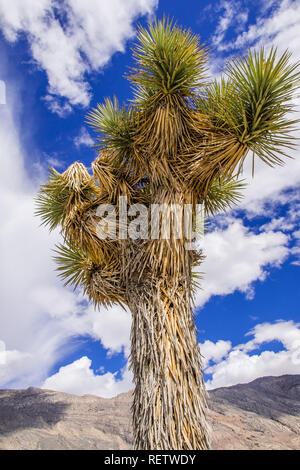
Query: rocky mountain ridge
{"x": 263, "y": 414}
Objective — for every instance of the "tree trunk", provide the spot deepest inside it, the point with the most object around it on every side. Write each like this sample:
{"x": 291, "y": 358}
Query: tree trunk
{"x": 169, "y": 407}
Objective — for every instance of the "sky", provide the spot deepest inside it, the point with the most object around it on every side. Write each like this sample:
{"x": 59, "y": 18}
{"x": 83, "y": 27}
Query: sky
{"x": 58, "y": 59}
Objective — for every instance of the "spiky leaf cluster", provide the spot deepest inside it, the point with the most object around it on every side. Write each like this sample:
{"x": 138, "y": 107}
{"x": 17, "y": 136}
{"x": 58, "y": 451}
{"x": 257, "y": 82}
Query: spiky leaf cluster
{"x": 169, "y": 61}
{"x": 254, "y": 102}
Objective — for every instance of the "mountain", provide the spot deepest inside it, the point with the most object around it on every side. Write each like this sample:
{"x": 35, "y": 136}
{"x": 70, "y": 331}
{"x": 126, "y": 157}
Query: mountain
{"x": 263, "y": 414}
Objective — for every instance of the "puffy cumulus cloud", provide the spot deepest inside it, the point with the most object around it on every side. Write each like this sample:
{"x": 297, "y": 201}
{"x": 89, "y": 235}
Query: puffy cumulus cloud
{"x": 214, "y": 351}
{"x": 13, "y": 362}
{"x": 71, "y": 38}
{"x": 287, "y": 332}
{"x": 241, "y": 367}
{"x": 112, "y": 327}
{"x": 236, "y": 257}
{"x": 79, "y": 378}
{"x": 109, "y": 325}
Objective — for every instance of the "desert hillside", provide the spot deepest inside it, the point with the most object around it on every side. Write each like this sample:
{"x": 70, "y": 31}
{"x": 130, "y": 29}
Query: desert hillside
{"x": 263, "y": 414}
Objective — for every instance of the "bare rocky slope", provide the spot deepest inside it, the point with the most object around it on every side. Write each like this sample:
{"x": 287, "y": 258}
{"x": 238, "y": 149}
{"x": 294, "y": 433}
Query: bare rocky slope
{"x": 263, "y": 414}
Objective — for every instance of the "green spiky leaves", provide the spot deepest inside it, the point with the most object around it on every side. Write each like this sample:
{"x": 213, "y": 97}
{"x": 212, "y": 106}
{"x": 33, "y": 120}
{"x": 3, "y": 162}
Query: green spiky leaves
{"x": 169, "y": 61}
{"x": 99, "y": 278}
{"x": 223, "y": 194}
{"x": 73, "y": 265}
{"x": 62, "y": 199}
{"x": 255, "y": 102}
{"x": 113, "y": 124}
{"x": 52, "y": 201}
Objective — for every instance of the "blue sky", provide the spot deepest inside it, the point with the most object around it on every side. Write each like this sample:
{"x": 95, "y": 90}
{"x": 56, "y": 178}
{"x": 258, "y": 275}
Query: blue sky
{"x": 59, "y": 59}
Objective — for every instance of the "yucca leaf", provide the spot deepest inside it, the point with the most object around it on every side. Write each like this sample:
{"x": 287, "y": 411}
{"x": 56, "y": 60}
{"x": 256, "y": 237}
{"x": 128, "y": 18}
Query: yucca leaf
{"x": 72, "y": 264}
{"x": 51, "y": 201}
{"x": 113, "y": 124}
{"x": 223, "y": 194}
{"x": 169, "y": 60}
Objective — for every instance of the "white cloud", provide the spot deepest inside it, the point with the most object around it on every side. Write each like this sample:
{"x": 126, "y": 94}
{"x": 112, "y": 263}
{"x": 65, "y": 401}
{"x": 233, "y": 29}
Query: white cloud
{"x": 236, "y": 257}
{"x": 281, "y": 223}
{"x": 288, "y": 333}
{"x": 279, "y": 179}
{"x": 39, "y": 315}
{"x": 240, "y": 367}
{"x": 280, "y": 28}
{"x": 289, "y": 224}
{"x": 83, "y": 138}
{"x": 91, "y": 33}
{"x": 13, "y": 362}
{"x": 79, "y": 378}
{"x": 109, "y": 325}
{"x": 224, "y": 22}
{"x": 232, "y": 16}
{"x": 112, "y": 327}
{"x": 214, "y": 351}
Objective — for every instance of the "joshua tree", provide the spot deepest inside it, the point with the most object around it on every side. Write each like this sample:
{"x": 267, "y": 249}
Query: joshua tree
{"x": 182, "y": 140}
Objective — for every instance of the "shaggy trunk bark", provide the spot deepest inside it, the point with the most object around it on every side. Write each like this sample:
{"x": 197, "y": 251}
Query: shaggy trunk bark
{"x": 169, "y": 407}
